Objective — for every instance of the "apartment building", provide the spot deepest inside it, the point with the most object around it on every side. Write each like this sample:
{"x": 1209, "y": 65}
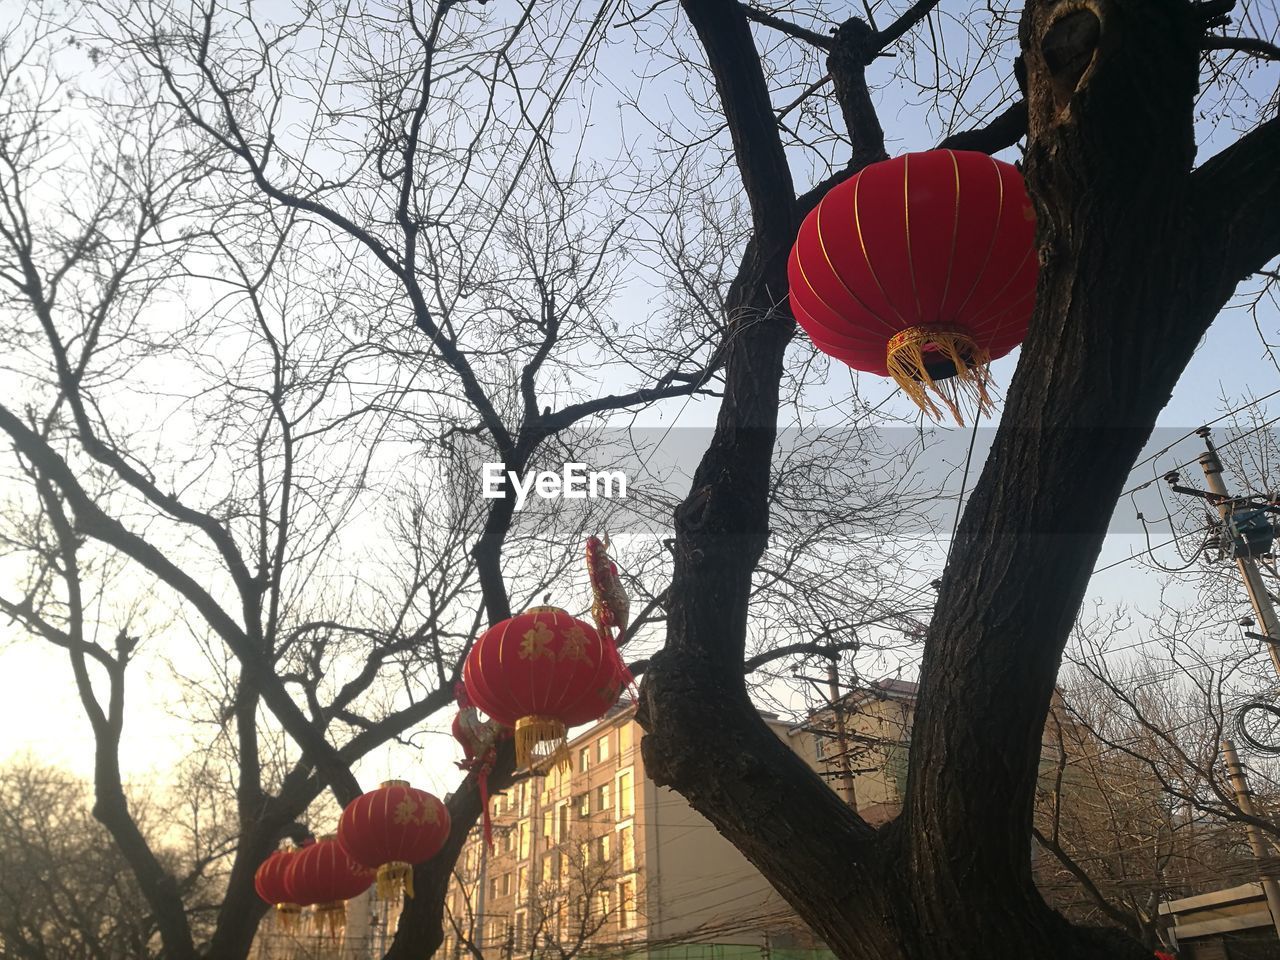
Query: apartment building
{"x": 598, "y": 861}
{"x": 860, "y": 745}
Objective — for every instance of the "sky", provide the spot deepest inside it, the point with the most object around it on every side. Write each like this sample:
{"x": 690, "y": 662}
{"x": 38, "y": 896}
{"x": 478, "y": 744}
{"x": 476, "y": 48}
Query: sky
{"x": 41, "y": 716}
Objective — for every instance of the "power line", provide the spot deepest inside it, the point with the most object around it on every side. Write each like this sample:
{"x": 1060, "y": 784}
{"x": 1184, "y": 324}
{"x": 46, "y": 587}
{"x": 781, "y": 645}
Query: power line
{"x": 1192, "y": 433}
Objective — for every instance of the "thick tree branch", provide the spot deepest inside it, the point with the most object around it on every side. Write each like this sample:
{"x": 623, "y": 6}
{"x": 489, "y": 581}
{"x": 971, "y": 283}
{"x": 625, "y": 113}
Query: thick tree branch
{"x": 767, "y": 19}
{"x": 567, "y": 416}
{"x": 1250, "y": 45}
{"x": 731, "y": 52}
{"x": 1237, "y": 197}
{"x": 1003, "y": 130}
{"x": 1106, "y": 906}
{"x": 796, "y": 649}
{"x": 910, "y": 17}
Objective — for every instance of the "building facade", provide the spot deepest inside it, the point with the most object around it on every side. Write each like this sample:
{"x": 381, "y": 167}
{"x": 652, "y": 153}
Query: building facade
{"x": 598, "y": 860}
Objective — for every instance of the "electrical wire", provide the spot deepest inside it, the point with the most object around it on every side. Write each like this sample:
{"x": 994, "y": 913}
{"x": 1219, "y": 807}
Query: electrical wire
{"x": 1188, "y": 435}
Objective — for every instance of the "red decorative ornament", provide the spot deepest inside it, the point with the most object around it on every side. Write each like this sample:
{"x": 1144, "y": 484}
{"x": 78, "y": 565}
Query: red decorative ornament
{"x": 269, "y": 881}
{"x": 543, "y": 672}
{"x": 479, "y": 739}
{"x": 324, "y": 877}
{"x": 922, "y": 268}
{"x": 392, "y": 828}
{"x": 610, "y": 605}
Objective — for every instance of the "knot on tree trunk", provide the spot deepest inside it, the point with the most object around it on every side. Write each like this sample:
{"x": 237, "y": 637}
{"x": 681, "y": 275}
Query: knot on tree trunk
{"x": 1069, "y": 47}
{"x": 855, "y": 45}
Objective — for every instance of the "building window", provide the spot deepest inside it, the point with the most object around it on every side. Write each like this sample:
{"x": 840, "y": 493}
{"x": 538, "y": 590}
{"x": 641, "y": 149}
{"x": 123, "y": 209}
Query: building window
{"x": 504, "y": 885}
{"x": 518, "y": 940}
{"x": 602, "y": 904}
{"x": 564, "y": 823}
{"x": 583, "y": 804}
{"x": 627, "y": 847}
{"x": 624, "y": 740}
{"x": 522, "y": 882}
{"x": 626, "y": 904}
{"x": 602, "y": 749}
{"x": 601, "y": 845}
{"x": 626, "y": 803}
{"x": 603, "y": 797}
{"x": 524, "y": 840}
{"x": 584, "y": 759}
{"x": 493, "y": 888}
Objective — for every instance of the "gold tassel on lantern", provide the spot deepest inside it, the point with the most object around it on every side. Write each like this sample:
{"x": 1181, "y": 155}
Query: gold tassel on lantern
{"x": 331, "y": 918}
{"x": 288, "y": 915}
{"x": 960, "y": 376}
{"x": 393, "y": 878}
{"x": 541, "y": 744}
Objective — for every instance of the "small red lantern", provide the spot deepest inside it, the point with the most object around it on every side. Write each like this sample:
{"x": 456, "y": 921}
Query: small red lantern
{"x": 322, "y": 876}
{"x": 392, "y": 828}
{"x": 542, "y": 672}
{"x": 269, "y": 881}
{"x": 922, "y": 268}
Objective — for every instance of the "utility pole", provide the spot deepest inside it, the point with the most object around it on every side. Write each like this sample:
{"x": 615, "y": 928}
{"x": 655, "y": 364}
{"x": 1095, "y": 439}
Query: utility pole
{"x": 1248, "y": 567}
{"x": 1244, "y": 799}
{"x": 842, "y": 735}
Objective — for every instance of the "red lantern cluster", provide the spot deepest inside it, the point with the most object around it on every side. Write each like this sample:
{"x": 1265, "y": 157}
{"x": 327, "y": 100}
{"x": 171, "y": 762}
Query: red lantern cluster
{"x": 392, "y": 828}
{"x": 269, "y": 881}
{"x": 322, "y": 876}
{"x": 922, "y": 268}
{"x": 543, "y": 672}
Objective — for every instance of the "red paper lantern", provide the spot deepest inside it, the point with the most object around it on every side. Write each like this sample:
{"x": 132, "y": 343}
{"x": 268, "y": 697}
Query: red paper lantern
{"x": 542, "y": 672}
{"x": 269, "y": 881}
{"x": 392, "y": 828}
{"x": 324, "y": 877}
{"x": 922, "y": 268}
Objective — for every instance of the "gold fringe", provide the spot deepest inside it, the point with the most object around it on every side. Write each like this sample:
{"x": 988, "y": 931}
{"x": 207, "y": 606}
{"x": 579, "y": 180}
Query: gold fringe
{"x": 541, "y": 744}
{"x": 967, "y": 388}
{"x": 395, "y": 878}
{"x": 288, "y": 915}
{"x": 331, "y": 917}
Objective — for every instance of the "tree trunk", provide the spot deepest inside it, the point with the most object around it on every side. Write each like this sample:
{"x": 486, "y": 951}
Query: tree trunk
{"x": 242, "y": 909}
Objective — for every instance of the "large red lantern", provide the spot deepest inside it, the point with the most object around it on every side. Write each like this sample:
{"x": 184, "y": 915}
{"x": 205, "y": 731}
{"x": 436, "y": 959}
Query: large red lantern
{"x": 542, "y": 672}
{"x": 922, "y": 268}
{"x": 322, "y": 876}
{"x": 269, "y": 881}
{"x": 392, "y": 828}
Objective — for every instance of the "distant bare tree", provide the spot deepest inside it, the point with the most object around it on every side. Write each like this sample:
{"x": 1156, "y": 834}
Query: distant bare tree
{"x": 66, "y": 891}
